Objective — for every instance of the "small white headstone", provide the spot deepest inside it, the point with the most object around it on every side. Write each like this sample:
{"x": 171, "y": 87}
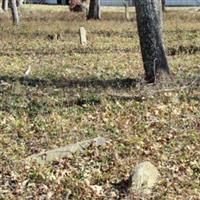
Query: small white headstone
{"x": 83, "y": 39}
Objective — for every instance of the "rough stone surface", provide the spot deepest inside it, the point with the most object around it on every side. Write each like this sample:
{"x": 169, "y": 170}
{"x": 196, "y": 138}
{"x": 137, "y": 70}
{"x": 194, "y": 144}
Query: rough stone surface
{"x": 144, "y": 177}
{"x": 67, "y": 151}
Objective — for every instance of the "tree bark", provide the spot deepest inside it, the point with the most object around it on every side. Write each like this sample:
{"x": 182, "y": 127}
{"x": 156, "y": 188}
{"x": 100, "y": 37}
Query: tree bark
{"x": 15, "y": 15}
{"x": 163, "y": 5}
{"x": 94, "y": 10}
{"x": 19, "y": 3}
{"x": 126, "y": 11}
{"x": 5, "y": 5}
{"x": 149, "y": 22}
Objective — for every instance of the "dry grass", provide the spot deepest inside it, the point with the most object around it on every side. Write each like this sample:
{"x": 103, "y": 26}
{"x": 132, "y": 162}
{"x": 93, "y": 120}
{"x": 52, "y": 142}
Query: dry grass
{"x": 74, "y": 93}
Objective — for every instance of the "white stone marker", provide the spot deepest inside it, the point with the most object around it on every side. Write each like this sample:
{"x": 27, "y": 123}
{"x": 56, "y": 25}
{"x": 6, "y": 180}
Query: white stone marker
{"x": 83, "y": 39}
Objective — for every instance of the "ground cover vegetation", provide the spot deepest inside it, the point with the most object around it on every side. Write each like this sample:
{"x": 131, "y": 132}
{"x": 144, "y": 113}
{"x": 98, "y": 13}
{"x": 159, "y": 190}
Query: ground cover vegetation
{"x": 76, "y": 92}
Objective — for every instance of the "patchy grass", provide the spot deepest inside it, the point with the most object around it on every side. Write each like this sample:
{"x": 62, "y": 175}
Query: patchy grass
{"x": 74, "y": 93}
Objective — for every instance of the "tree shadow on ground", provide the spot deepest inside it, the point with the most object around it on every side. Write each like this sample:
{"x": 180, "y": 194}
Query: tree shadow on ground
{"x": 123, "y": 187}
{"x": 190, "y": 49}
{"x": 88, "y": 82}
{"x": 77, "y": 50}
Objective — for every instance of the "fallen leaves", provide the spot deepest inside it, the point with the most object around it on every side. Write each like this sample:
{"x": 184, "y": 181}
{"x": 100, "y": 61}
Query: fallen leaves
{"x": 75, "y": 93}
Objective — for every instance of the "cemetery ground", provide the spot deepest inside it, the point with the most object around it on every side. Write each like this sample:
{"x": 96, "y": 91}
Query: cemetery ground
{"x": 75, "y": 92}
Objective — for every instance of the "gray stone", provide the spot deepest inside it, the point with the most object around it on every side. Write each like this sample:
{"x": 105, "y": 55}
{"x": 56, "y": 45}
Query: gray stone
{"x": 67, "y": 151}
{"x": 144, "y": 177}
{"x": 83, "y": 39}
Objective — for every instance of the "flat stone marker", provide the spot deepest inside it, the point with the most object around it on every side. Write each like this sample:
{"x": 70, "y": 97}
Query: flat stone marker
{"x": 83, "y": 39}
{"x": 67, "y": 151}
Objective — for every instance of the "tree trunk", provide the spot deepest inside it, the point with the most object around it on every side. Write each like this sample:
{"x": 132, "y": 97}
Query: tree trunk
{"x": 149, "y": 22}
{"x": 15, "y": 15}
{"x": 19, "y": 3}
{"x": 94, "y": 10}
{"x": 126, "y": 11}
{"x": 5, "y": 5}
{"x": 163, "y": 5}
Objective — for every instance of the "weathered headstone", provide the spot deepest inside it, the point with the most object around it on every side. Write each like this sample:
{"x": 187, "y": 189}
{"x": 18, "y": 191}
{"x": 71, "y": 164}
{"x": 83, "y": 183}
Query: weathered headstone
{"x": 144, "y": 177}
{"x": 67, "y": 151}
{"x": 83, "y": 39}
